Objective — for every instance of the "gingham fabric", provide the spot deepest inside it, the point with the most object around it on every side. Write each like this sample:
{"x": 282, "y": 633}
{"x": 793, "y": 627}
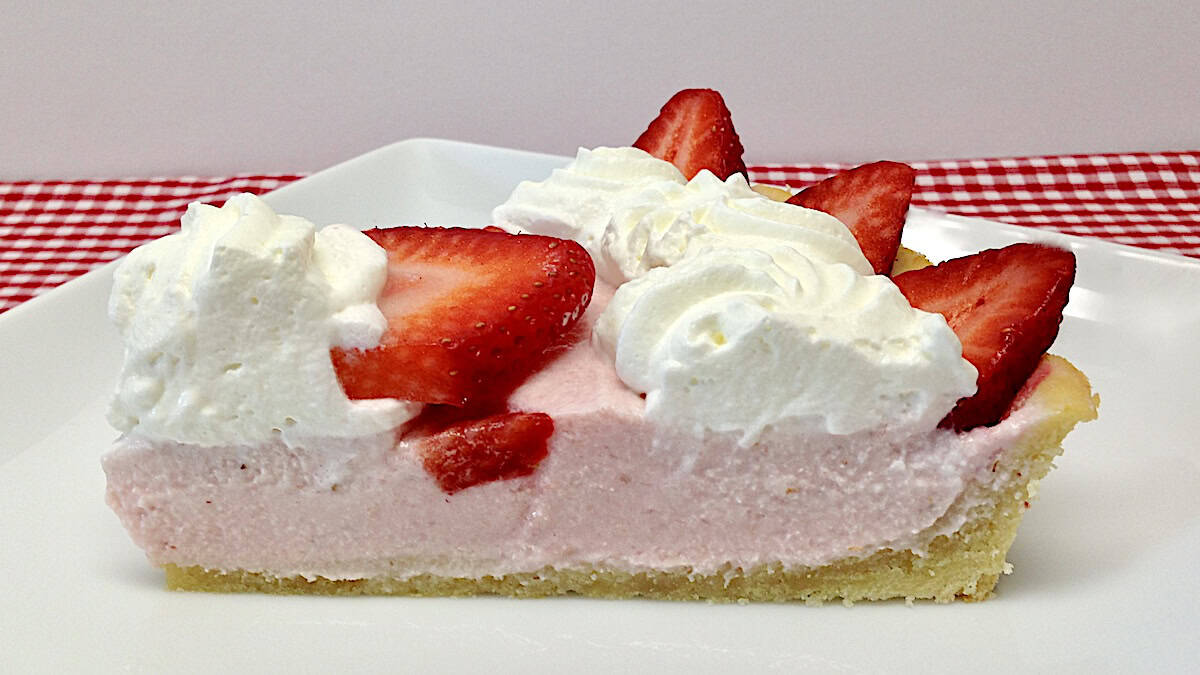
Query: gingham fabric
{"x": 53, "y": 231}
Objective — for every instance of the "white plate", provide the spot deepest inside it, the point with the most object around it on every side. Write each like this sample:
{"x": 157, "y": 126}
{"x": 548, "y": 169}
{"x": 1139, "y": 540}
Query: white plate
{"x": 1105, "y": 562}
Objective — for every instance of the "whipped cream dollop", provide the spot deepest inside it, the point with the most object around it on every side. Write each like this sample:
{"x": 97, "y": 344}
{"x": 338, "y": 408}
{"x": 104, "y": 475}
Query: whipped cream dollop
{"x": 737, "y": 340}
{"x": 734, "y": 313}
{"x": 634, "y": 212}
{"x": 228, "y": 324}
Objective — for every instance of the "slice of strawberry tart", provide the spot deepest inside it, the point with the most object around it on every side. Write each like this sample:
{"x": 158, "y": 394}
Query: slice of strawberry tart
{"x": 648, "y": 380}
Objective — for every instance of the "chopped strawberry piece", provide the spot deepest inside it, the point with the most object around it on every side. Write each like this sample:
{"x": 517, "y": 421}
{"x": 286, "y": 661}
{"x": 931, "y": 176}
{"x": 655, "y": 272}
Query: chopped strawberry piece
{"x": 694, "y": 131}
{"x": 872, "y": 200}
{"x": 1005, "y": 306}
{"x": 477, "y": 451}
{"x": 470, "y": 313}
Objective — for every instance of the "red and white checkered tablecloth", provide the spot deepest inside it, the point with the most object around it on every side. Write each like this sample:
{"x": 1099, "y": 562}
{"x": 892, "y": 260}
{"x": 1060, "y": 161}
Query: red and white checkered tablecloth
{"x": 53, "y": 231}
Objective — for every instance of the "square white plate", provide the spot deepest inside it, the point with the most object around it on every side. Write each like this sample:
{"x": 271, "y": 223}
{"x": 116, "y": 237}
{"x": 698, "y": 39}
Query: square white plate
{"x": 1105, "y": 563}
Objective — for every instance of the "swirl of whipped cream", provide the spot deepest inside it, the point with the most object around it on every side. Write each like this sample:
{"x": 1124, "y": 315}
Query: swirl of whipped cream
{"x": 228, "y": 324}
{"x": 735, "y": 340}
{"x": 634, "y": 212}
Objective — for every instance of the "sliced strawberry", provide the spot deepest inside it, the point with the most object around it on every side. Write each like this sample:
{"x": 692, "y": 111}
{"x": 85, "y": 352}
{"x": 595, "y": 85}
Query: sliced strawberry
{"x": 1005, "y": 306}
{"x": 470, "y": 313}
{"x": 477, "y": 451}
{"x": 872, "y": 200}
{"x": 694, "y": 131}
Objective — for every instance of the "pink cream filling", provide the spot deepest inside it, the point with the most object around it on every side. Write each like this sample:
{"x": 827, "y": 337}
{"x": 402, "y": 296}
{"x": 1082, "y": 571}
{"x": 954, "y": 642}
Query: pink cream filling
{"x": 615, "y": 492}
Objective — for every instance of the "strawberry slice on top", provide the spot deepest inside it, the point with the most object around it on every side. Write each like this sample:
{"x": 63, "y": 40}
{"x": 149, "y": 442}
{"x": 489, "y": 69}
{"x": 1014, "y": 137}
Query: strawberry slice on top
{"x": 694, "y": 131}
{"x": 1005, "y": 305}
{"x": 470, "y": 313}
{"x": 872, "y": 200}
